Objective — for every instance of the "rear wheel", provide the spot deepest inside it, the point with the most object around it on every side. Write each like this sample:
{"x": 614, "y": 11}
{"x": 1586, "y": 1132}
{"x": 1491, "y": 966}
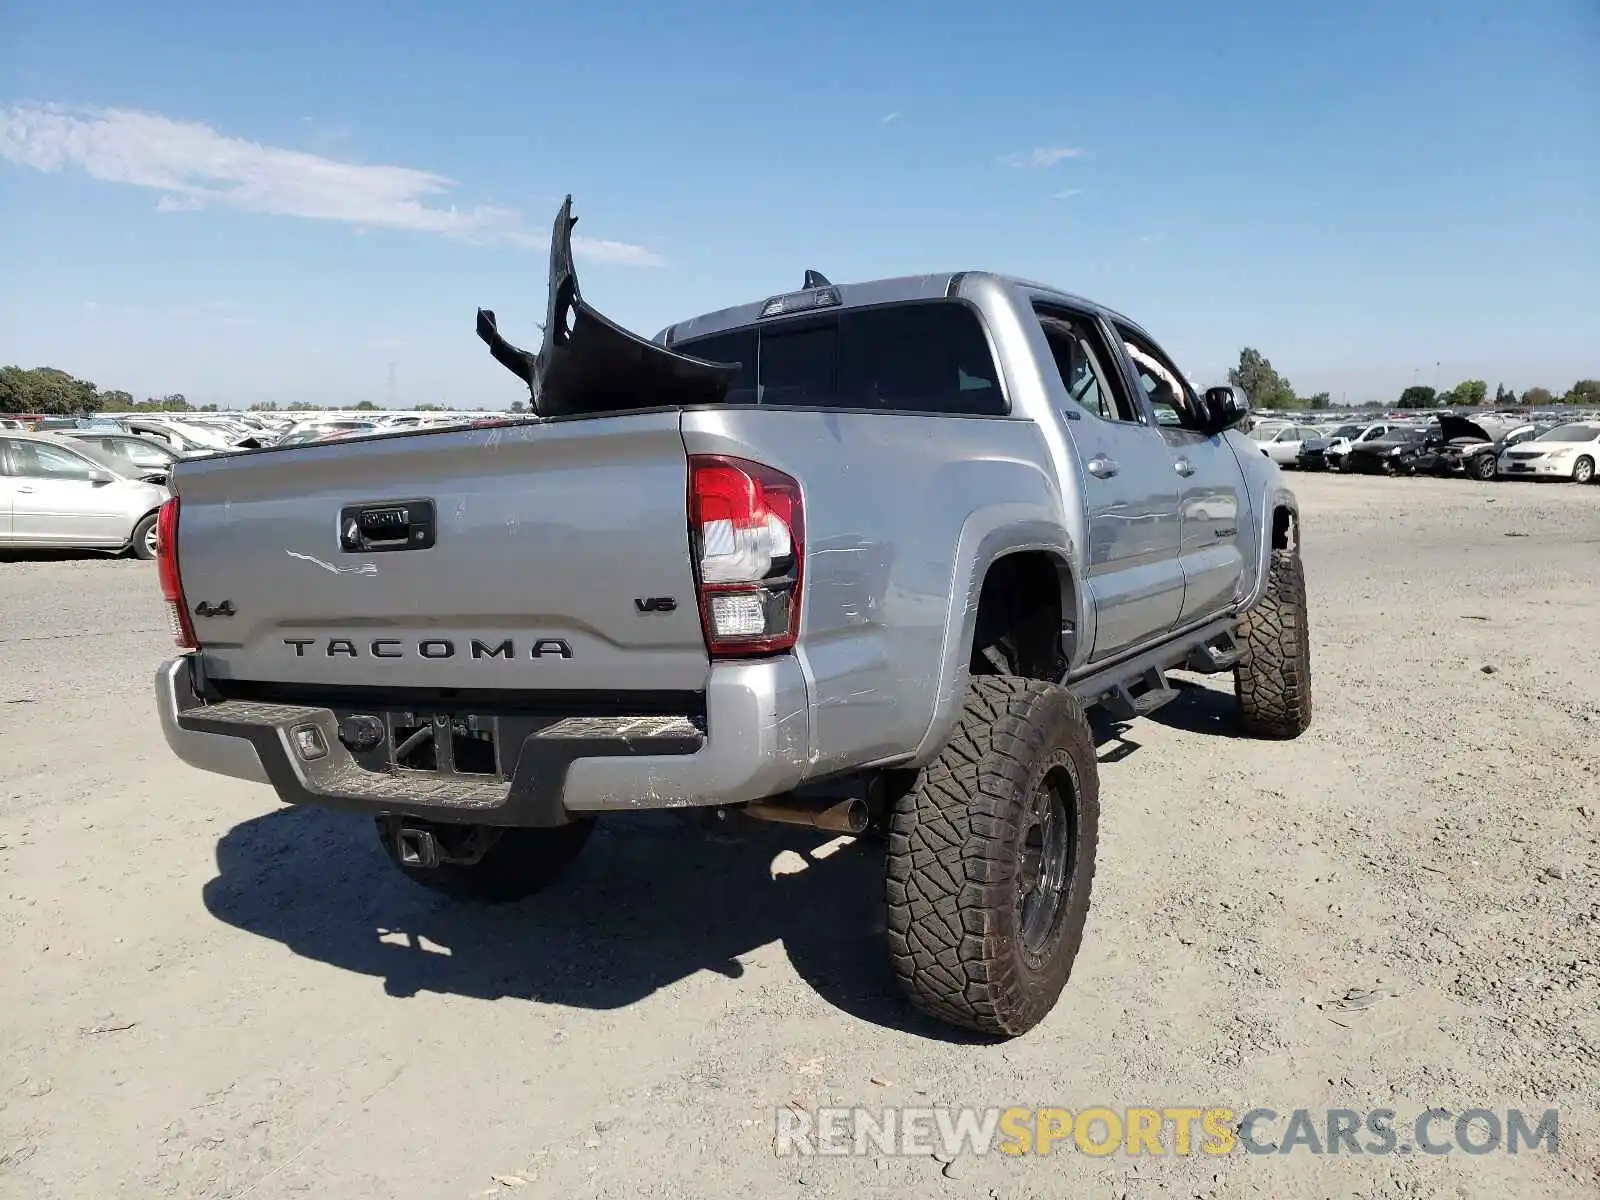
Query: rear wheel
{"x": 1273, "y": 677}
{"x": 508, "y": 864}
{"x": 143, "y": 542}
{"x": 1583, "y": 470}
{"x": 991, "y": 859}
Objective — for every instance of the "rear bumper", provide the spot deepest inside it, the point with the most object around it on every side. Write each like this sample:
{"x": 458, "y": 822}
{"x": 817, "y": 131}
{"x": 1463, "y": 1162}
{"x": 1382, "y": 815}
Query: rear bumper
{"x": 754, "y": 744}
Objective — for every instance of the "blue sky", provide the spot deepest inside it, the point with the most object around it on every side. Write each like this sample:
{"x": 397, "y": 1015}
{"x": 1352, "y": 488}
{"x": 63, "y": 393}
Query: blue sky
{"x": 254, "y": 202}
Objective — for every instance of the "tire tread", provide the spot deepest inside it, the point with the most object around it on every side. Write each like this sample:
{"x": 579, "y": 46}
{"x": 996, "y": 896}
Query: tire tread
{"x": 952, "y": 865}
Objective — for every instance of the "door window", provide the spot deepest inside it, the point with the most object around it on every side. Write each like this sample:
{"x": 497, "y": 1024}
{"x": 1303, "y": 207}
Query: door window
{"x": 1173, "y": 401}
{"x": 35, "y": 460}
{"x": 1081, "y": 365}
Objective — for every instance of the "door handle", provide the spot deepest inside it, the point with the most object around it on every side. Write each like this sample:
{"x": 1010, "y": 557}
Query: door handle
{"x": 1183, "y": 467}
{"x": 1102, "y": 467}
{"x": 27, "y": 490}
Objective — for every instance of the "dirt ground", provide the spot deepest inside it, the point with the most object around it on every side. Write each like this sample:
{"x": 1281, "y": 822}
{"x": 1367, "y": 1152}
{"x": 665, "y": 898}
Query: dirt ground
{"x": 205, "y": 994}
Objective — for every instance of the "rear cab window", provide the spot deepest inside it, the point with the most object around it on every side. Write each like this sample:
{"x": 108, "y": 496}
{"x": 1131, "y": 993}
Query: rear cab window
{"x": 924, "y": 357}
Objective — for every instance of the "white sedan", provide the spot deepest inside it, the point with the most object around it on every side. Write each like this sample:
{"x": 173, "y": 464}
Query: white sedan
{"x": 1565, "y": 452}
{"x": 1281, "y": 443}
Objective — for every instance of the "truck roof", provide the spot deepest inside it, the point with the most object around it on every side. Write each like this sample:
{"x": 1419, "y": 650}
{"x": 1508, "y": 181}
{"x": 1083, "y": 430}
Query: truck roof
{"x": 895, "y": 290}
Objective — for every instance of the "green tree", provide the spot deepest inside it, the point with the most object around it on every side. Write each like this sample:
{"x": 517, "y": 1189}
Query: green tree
{"x": 172, "y": 402}
{"x": 1470, "y": 392}
{"x": 1320, "y": 401}
{"x": 1537, "y": 397}
{"x": 1585, "y": 392}
{"x": 366, "y": 406}
{"x": 517, "y": 406}
{"x": 16, "y": 390}
{"x": 116, "y": 401}
{"x": 265, "y": 406}
{"x": 47, "y": 390}
{"x": 1418, "y": 395}
{"x": 1263, "y": 385}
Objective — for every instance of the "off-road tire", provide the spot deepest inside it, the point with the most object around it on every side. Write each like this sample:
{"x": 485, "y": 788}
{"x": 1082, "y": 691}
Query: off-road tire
{"x": 139, "y": 544}
{"x": 1272, "y": 679}
{"x": 1485, "y": 467}
{"x": 520, "y": 863}
{"x": 1583, "y": 470}
{"x": 957, "y": 867}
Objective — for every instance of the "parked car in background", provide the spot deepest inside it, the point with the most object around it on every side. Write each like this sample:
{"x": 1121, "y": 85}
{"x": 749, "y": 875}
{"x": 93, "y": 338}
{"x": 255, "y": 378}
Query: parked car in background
{"x": 150, "y": 458}
{"x": 1282, "y": 443}
{"x": 61, "y": 492}
{"x": 1313, "y": 451}
{"x": 1396, "y": 452}
{"x": 1471, "y": 446}
{"x": 321, "y": 430}
{"x": 180, "y": 436}
{"x": 1565, "y": 452}
{"x": 1328, "y": 453}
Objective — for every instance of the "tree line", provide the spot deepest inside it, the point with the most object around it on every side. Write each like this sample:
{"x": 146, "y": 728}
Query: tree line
{"x": 1269, "y": 390}
{"x": 55, "y": 393}
{"x": 52, "y": 392}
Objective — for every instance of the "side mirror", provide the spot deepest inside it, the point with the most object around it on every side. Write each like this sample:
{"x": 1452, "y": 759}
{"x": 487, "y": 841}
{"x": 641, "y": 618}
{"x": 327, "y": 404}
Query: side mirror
{"x": 1224, "y": 407}
{"x": 97, "y": 477}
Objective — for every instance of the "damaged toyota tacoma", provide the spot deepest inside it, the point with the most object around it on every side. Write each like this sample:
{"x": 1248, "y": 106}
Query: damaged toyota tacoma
{"x": 858, "y": 557}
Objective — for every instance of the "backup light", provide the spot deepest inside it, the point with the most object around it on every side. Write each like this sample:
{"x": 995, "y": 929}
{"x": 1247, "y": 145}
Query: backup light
{"x": 747, "y": 527}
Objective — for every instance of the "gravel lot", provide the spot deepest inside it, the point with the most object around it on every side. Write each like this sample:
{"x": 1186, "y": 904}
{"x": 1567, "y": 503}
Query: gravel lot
{"x": 205, "y": 994}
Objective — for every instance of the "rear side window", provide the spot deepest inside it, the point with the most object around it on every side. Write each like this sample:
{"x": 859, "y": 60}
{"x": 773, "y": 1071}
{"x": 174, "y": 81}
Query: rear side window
{"x": 928, "y": 357}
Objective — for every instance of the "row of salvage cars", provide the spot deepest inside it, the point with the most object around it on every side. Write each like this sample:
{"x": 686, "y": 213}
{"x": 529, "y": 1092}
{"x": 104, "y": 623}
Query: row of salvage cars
{"x": 1485, "y": 447}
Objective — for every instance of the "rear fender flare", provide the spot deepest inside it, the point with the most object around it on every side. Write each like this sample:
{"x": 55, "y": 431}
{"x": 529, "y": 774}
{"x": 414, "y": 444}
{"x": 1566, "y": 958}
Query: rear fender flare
{"x": 987, "y": 536}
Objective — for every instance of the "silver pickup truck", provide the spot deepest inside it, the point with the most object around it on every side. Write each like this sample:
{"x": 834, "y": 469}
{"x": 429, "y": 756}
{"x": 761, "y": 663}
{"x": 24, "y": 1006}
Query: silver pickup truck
{"x": 858, "y": 557}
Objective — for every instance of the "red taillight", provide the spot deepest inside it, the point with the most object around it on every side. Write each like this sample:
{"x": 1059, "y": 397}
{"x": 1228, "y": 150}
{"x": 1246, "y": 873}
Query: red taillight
{"x": 747, "y": 527}
{"x": 171, "y": 581}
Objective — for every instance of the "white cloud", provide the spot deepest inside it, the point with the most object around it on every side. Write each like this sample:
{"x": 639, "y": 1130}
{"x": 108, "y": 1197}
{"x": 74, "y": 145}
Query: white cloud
{"x": 894, "y": 116}
{"x": 1066, "y": 194}
{"x": 193, "y": 167}
{"x": 1043, "y": 156}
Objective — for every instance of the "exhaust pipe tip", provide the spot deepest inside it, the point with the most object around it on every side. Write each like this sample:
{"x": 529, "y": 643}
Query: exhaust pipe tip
{"x": 850, "y": 816}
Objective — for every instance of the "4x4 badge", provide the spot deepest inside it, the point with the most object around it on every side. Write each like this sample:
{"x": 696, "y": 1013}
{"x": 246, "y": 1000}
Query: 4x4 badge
{"x": 206, "y": 609}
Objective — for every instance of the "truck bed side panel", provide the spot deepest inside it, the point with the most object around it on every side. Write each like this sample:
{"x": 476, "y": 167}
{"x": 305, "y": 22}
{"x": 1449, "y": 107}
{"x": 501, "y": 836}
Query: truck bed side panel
{"x": 899, "y": 509}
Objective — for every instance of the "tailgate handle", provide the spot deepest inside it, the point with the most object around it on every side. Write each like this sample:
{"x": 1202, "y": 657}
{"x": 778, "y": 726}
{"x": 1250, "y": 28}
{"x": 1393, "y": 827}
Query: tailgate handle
{"x": 389, "y": 525}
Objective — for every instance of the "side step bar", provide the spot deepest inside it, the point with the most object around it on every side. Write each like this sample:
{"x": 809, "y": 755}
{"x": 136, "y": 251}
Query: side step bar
{"x": 1137, "y": 686}
{"x": 1139, "y": 697}
{"x": 1216, "y": 655}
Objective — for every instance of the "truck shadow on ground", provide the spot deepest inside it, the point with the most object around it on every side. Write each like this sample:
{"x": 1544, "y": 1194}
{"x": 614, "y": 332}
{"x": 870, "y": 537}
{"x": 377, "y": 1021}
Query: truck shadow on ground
{"x": 1201, "y": 709}
{"x": 651, "y": 901}
{"x": 1196, "y": 709}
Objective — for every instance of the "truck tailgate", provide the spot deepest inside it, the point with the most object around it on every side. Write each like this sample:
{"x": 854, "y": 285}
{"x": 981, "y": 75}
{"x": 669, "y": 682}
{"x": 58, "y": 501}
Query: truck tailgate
{"x": 559, "y": 560}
